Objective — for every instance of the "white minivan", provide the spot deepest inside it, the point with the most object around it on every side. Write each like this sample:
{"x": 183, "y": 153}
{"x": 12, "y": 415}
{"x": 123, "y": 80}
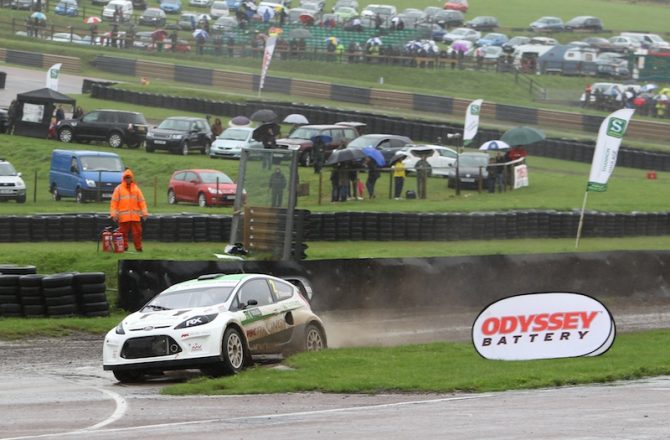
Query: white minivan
{"x": 118, "y": 10}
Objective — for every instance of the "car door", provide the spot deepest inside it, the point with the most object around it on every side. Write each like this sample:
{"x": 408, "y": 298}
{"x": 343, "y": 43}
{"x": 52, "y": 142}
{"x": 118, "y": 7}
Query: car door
{"x": 265, "y": 322}
{"x": 89, "y": 124}
{"x": 191, "y": 182}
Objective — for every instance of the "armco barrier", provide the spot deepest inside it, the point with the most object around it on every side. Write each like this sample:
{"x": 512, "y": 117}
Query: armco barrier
{"x": 407, "y": 283}
{"x": 414, "y": 129}
{"x": 354, "y": 226}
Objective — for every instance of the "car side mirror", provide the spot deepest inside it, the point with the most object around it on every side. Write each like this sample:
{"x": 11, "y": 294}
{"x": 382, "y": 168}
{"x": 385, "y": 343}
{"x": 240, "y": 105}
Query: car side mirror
{"x": 251, "y": 302}
{"x": 19, "y": 174}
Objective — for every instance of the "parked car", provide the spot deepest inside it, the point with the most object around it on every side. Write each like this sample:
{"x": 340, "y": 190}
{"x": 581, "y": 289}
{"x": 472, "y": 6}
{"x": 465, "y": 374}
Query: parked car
{"x": 22, "y": 4}
{"x": 386, "y": 12}
{"x": 12, "y": 186}
{"x": 121, "y": 10}
{"x": 489, "y": 54}
{"x": 447, "y": 18}
{"x": 232, "y": 141}
{"x": 218, "y": 9}
{"x": 345, "y": 13}
{"x": 301, "y": 140}
{"x": 647, "y": 40}
{"x": 547, "y": 24}
{"x": 347, "y": 3}
{"x": 471, "y": 170}
{"x": 584, "y": 22}
{"x": 462, "y": 34}
{"x": 84, "y": 175}
{"x": 624, "y": 44}
{"x": 152, "y": 17}
{"x": 599, "y": 43}
{"x": 170, "y": 6}
{"x": 180, "y": 135}
{"x": 225, "y": 24}
{"x": 612, "y": 64}
{"x": 457, "y": 5}
{"x": 492, "y": 39}
{"x": 204, "y": 187}
{"x": 388, "y": 144}
{"x": 440, "y": 159}
{"x": 188, "y": 21}
{"x": 69, "y": 8}
{"x": 483, "y": 23}
{"x": 116, "y": 127}
{"x": 199, "y": 3}
{"x": 513, "y": 42}
{"x": 229, "y": 320}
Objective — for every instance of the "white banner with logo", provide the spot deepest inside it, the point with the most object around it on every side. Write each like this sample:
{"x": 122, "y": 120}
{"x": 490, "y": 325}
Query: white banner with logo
{"x": 610, "y": 136}
{"x": 267, "y": 57}
{"x": 52, "y": 76}
{"x": 520, "y": 176}
{"x": 471, "y": 121}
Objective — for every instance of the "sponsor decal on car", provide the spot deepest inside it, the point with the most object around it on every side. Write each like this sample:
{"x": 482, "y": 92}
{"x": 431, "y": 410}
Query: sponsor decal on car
{"x": 543, "y": 326}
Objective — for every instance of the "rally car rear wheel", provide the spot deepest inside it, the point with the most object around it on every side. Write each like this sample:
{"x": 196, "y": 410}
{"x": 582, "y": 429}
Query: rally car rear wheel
{"x": 315, "y": 340}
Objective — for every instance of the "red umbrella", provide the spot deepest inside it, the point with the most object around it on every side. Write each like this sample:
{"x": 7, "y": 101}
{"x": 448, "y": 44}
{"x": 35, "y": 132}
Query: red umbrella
{"x": 159, "y": 34}
{"x": 93, "y": 20}
{"x": 306, "y": 19}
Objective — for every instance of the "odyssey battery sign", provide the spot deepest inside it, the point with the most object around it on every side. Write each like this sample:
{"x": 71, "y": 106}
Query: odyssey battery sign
{"x": 543, "y": 326}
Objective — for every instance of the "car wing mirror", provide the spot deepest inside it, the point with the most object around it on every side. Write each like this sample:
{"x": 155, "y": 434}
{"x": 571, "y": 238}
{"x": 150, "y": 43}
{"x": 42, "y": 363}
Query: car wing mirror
{"x": 251, "y": 303}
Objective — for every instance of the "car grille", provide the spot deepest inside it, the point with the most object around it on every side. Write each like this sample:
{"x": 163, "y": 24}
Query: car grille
{"x": 7, "y": 184}
{"x": 149, "y": 346}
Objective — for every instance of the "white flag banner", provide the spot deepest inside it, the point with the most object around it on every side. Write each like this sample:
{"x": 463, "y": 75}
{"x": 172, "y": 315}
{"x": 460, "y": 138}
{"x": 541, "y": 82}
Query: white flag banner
{"x": 610, "y": 136}
{"x": 267, "y": 57}
{"x": 471, "y": 121}
{"x": 52, "y": 76}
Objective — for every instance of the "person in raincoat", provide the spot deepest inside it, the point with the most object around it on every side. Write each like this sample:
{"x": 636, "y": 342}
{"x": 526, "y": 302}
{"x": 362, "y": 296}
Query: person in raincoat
{"x": 277, "y": 184}
{"x": 128, "y": 208}
{"x": 319, "y": 153}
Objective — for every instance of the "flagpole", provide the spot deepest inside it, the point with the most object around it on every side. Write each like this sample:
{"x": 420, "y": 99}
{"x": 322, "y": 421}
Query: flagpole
{"x": 581, "y": 219}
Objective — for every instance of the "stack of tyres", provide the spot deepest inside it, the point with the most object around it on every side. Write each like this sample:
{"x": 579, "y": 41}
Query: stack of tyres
{"x": 15, "y": 269}
{"x": 200, "y": 228}
{"x": 31, "y": 296}
{"x": 20, "y": 228}
{"x": 59, "y": 296}
{"x": 10, "y": 305}
{"x": 91, "y": 293}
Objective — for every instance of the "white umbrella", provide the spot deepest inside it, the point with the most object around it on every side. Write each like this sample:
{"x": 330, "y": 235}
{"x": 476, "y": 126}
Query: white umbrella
{"x": 296, "y": 118}
{"x": 494, "y": 145}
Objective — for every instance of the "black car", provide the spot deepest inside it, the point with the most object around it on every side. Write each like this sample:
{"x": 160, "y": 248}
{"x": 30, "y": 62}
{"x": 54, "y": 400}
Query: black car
{"x": 483, "y": 23}
{"x": 448, "y": 18}
{"x": 152, "y": 17}
{"x": 587, "y": 23}
{"x": 116, "y": 127}
{"x": 180, "y": 134}
{"x": 388, "y": 144}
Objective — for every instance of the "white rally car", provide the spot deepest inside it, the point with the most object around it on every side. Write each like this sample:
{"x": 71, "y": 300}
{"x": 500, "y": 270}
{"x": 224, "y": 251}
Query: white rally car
{"x": 216, "y": 323}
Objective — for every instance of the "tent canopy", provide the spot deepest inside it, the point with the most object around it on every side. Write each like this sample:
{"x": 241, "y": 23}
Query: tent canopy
{"x": 45, "y": 95}
{"x": 35, "y": 110}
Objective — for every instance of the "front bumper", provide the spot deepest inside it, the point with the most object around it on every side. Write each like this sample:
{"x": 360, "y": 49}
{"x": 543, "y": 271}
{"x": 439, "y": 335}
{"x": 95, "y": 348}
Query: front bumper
{"x": 164, "y": 144}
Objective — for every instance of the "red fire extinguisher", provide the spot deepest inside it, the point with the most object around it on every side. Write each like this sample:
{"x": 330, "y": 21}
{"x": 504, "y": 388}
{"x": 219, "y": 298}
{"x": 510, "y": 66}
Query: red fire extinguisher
{"x": 106, "y": 238}
{"x": 117, "y": 242}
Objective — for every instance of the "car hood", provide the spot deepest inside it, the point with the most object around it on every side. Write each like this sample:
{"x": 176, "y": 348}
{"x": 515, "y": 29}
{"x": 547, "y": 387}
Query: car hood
{"x": 295, "y": 143}
{"x": 164, "y": 319}
{"x": 227, "y": 188}
{"x": 228, "y": 144}
{"x": 12, "y": 179}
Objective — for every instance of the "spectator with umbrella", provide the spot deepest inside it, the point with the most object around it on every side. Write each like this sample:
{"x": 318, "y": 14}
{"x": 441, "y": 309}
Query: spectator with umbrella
{"x": 266, "y": 133}
{"x": 318, "y": 147}
{"x": 200, "y": 36}
{"x": 373, "y": 175}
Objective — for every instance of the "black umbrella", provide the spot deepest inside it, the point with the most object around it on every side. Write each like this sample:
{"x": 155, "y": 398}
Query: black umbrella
{"x": 264, "y": 131}
{"x": 264, "y": 115}
{"x": 345, "y": 155}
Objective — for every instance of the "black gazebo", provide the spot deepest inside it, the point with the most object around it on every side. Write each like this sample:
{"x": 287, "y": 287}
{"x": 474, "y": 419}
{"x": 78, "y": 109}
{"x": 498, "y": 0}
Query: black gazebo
{"x": 35, "y": 110}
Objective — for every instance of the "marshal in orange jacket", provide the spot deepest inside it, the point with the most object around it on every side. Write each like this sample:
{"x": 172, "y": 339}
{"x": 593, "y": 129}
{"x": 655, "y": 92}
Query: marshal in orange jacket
{"x": 128, "y": 203}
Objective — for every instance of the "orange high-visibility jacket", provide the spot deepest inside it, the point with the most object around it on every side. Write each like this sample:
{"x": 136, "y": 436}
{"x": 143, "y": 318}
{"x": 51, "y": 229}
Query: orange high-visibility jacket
{"x": 128, "y": 203}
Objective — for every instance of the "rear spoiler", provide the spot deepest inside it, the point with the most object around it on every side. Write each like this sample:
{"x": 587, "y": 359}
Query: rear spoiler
{"x": 302, "y": 284}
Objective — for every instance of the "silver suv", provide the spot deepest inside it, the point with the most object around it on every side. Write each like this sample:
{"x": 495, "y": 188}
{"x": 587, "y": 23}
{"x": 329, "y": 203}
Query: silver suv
{"x": 11, "y": 183}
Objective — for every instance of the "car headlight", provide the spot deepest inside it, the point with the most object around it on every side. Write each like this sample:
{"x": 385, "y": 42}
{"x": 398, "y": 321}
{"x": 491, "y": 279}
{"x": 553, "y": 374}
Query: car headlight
{"x": 90, "y": 182}
{"x": 119, "y": 329}
{"x": 197, "y": 320}
{"x": 214, "y": 191}
{"x": 176, "y": 136}
{"x": 294, "y": 147}
{"x": 150, "y": 135}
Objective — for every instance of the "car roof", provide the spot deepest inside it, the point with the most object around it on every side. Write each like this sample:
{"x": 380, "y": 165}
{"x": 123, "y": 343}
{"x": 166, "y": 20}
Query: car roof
{"x": 186, "y": 118}
{"x": 382, "y": 135}
{"x": 199, "y": 170}
{"x": 323, "y": 126}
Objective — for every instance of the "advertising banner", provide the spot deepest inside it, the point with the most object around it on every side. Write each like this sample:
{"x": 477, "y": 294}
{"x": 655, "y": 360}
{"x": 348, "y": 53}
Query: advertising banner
{"x": 543, "y": 326}
{"x": 471, "y": 121}
{"x": 52, "y": 76}
{"x": 520, "y": 176}
{"x": 267, "y": 57}
{"x": 610, "y": 136}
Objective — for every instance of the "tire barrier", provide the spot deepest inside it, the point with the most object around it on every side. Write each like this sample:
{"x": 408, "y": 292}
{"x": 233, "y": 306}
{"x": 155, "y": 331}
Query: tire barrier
{"x": 564, "y": 149}
{"x": 439, "y": 282}
{"x": 28, "y": 294}
{"x": 354, "y": 226}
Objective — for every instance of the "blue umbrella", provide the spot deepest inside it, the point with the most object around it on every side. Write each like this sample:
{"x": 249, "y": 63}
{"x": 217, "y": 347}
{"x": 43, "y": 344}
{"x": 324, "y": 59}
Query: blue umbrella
{"x": 323, "y": 137}
{"x": 39, "y": 16}
{"x": 375, "y": 155}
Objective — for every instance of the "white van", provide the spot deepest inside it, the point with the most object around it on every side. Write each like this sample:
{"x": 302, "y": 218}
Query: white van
{"x": 118, "y": 10}
{"x": 647, "y": 41}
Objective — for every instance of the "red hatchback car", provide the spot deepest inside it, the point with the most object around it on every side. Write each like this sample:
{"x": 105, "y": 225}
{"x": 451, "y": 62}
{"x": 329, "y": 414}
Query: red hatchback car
{"x": 457, "y": 5}
{"x": 204, "y": 187}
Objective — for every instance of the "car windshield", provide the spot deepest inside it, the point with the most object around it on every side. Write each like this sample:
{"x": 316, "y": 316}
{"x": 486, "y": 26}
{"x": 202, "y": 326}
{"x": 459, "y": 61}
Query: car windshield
{"x": 304, "y": 133}
{"x": 175, "y": 124}
{"x": 186, "y": 298}
{"x": 362, "y": 141}
{"x": 472, "y": 161}
{"x": 215, "y": 177}
{"x": 234, "y": 134}
{"x": 6, "y": 169}
{"x": 101, "y": 163}
{"x": 220, "y": 5}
